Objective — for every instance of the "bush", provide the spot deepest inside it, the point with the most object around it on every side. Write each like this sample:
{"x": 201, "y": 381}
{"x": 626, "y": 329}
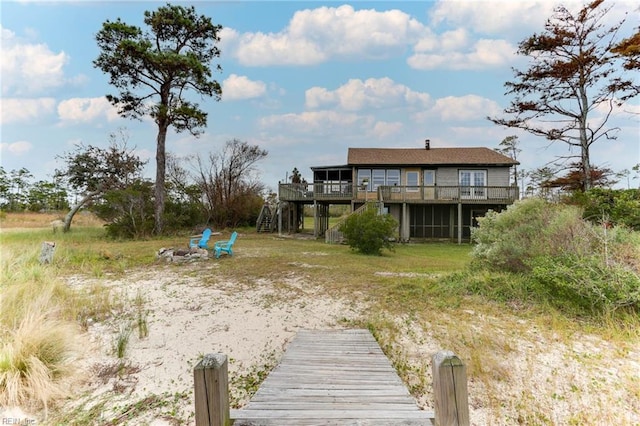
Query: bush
{"x": 615, "y": 206}
{"x": 129, "y": 212}
{"x": 528, "y": 229}
{"x": 587, "y": 284}
{"x": 579, "y": 267}
{"x": 369, "y": 232}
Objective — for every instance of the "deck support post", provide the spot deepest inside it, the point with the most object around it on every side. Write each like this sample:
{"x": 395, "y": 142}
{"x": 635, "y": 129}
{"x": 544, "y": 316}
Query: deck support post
{"x": 211, "y": 391}
{"x": 460, "y": 223}
{"x": 450, "y": 390}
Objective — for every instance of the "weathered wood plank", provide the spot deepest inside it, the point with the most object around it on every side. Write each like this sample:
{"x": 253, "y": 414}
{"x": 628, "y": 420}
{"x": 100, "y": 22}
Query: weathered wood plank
{"x": 332, "y": 378}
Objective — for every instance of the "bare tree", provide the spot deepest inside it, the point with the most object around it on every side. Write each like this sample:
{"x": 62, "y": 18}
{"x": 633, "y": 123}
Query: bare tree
{"x": 572, "y": 72}
{"x": 229, "y": 182}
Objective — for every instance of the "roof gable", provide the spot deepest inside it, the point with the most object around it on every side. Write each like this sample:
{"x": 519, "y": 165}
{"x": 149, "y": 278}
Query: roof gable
{"x": 426, "y": 157}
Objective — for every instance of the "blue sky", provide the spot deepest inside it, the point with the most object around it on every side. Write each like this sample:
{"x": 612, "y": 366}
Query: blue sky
{"x": 304, "y": 80}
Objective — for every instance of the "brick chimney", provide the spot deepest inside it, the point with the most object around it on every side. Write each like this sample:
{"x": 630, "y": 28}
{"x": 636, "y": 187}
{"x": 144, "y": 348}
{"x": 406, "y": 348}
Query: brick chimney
{"x": 427, "y": 144}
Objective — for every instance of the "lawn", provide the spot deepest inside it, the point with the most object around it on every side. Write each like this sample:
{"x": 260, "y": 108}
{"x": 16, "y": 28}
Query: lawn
{"x": 526, "y": 364}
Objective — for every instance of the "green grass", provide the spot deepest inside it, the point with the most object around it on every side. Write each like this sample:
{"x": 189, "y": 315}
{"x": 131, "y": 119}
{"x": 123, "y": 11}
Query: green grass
{"x": 415, "y": 290}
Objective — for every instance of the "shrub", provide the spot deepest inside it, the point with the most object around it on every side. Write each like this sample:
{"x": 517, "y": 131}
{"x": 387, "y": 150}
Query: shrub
{"x": 527, "y": 229}
{"x": 564, "y": 259}
{"x": 587, "y": 284}
{"x": 369, "y": 232}
{"x": 615, "y": 206}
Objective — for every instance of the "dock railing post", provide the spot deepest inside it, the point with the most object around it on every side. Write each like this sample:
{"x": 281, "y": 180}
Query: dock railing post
{"x": 211, "y": 391}
{"x": 450, "y": 390}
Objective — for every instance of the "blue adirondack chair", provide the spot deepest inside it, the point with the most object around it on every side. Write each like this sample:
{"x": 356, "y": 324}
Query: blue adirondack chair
{"x": 225, "y": 246}
{"x": 201, "y": 241}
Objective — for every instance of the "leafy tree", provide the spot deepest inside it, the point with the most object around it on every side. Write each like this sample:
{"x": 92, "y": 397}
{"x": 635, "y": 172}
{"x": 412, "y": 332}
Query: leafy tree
{"x": 296, "y": 177}
{"x": 573, "y": 180}
{"x": 47, "y": 196}
{"x": 510, "y": 146}
{"x": 154, "y": 71}
{"x": 92, "y": 171}
{"x": 5, "y": 185}
{"x": 572, "y": 73}
{"x": 128, "y": 210}
{"x": 229, "y": 183}
{"x": 369, "y": 232}
{"x": 629, "y": 50}
{"x": 19, "y": 183}
{"x": 537, "y": 179}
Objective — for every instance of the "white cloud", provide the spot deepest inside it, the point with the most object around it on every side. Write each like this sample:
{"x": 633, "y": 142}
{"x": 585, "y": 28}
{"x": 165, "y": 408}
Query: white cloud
{"x": 313, "y": 121}
{"x": 16, "y": 148}
{"x": 29, "y": 68}
{"x": 237, "y": 87}
{"x": 454, "y": 39}
{"x": 21, "y": 110}
{"x": 463, "y": 108}
{"x": 483, "y": 54}
{"x": 625, "y": 109}
{"x": 316, "y": 35}
{"x": 493, "y": 17}
{"x": 259, "y": 49}
{"x": 84, "y": 110}
{"x": 383, "y": 129}
{"x": 356, "y": 95}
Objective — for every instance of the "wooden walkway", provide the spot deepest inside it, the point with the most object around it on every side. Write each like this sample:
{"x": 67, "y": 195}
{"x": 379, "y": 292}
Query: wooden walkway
{"x": 339, "y": 377}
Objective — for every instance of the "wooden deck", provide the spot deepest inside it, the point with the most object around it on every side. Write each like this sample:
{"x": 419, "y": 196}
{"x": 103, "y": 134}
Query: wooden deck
{"x": 339, "y": 377}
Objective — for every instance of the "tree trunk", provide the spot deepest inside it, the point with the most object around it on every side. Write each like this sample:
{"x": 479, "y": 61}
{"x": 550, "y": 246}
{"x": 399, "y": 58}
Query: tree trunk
{"x": 161, "y": 161}
{"x": 69, "y": 217}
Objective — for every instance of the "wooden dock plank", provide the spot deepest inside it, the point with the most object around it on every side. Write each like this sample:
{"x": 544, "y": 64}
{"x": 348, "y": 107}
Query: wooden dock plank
{"x": 338, "y": 377}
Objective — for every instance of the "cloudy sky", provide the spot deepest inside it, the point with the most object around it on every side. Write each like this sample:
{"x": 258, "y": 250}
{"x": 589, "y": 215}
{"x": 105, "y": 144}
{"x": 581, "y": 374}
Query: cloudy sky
{"x": 304, "y": 80}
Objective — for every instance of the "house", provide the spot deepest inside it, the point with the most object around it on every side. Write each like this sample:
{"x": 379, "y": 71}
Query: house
{"x": 433, "y": 193}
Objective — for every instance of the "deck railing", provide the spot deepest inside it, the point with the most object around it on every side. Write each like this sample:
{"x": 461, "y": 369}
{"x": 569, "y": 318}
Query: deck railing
{"x": 349, "y": 191}
{"x": 448, "y": 193}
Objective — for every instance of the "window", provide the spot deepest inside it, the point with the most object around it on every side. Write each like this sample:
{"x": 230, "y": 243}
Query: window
{"x": 429, "y": 178}
{"x": 364, "y": 174}
{"x": 473, "y": 183}
{"x": 393, "y": 177}
{"x": 378, "y": 178}
{"x": 412, "y": 181}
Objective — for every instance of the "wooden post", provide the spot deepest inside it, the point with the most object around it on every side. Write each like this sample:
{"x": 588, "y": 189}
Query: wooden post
{"x": 46, "y": 253}
{"x": 211, "y": 391}
{"x": 450, "y": 390}
{"x": 459, "y": 220}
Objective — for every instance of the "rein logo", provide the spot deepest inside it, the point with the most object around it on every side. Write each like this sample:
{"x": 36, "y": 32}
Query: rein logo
{"x": 17, "y": 421}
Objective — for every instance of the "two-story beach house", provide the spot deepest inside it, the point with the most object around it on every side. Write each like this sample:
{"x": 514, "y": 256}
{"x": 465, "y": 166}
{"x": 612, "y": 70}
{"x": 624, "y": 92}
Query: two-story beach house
{"x": 433, "y": 193}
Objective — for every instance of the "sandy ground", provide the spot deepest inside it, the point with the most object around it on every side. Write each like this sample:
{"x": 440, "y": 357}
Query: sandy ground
{"x": 586, "y": 380}
{"x": 250, "y": 324}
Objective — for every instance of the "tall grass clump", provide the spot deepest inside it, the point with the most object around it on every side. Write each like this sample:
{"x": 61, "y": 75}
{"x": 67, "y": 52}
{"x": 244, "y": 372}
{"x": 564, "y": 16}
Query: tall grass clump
{"x": 37, "y": 354}
{"x": 577, "y": 266}
{"x": 38, "y": 333}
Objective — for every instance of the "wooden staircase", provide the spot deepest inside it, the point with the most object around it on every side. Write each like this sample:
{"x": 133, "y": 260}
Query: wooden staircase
{"x": 267, "y": 219}
{"x": 334, "y": 236}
